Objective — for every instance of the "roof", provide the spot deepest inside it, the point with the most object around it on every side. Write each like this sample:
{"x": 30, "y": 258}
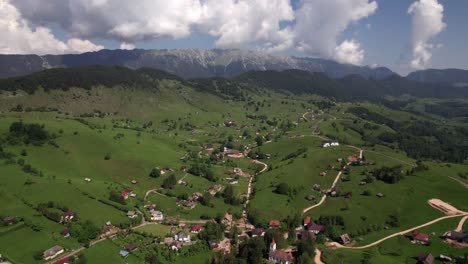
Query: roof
{"x": 257, "y": 231}
{"x": 307, "y": 220}
{"x": 131, "y": 213}
{"x": 420, "y": 236}
{"x": 228, "y": 216}
{"x": 63, "y": 261}
{"x": 52, "y": 251}
{"x": 125, "y": 192}
{"x": 68, "y": 213}
{"x": 131, "y": 247}
{"x": 124, "y": 253}
{"x": 426, "y": 258}
{"x": 285, "y": 256}
{"x": 274, "y": 223}
{"x": 65, "y": 231}
{"x": 183, "y": 235}
{"x": 315, "y": 227}
{"x": 195, "y": 228}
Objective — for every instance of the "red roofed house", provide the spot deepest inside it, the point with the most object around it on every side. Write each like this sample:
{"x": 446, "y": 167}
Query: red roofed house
{"x": 420, "y": 238}
{"x": 227, "y": 220}
{"x": 65, "y": 232}
{"x": 274, "y": 223}
{"x": 63, "y": 261}
{"x": 183, "y": 168}
{"x": 195, "y": 229}
{"x": 348, "y": 195}
{"x": 323, "y": 173}
{"x": 425, "y": 258}
{"x": 306, "y": 220}
{"x": 126, "y": 193}
{"x": 279, "y": 256}
{"x": 315, "y": 228}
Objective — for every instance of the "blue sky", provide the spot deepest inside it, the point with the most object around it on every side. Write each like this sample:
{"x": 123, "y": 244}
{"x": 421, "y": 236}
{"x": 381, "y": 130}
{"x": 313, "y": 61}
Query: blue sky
{"x": 363, "y": 32}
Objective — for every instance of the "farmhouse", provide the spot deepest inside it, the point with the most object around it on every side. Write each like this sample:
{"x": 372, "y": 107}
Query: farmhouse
{"x": 231, "y": 153}
{"x": 157, "y": 216}
{"x": 62, "y": 261}
{"x": 238, "y": 171}
{"x": 315, "y": 228}
{"x": 323, "y": 173}
{"x": 274, "y": 223}
{"x": 67, "y": 216}
{"x": 279, "y": 256}
{"x": 189, "y": 204}
{"x": 461, "y": 237}
{"x": 197, "y": 196}
{"x": 333, "y": 143}
{"x": 345, "y": 239}
{"x": 9, "y": 220}
{"x": 52, "y": 252}
{"x": 126, "y": 193}
{"x": 131, "y": 214}
{"x": 419, "y": 238}
{"x": 134, "y": 182}
{"x": 227, "y": 220}
{"x": 182, "y": 237}
{"x": 233, "y": 181}
{"x": 175, "y": 245}
{"x": 87, "y": 180}
{"x": 425, "y": 258}
{"x": 195, "y": 229}
{"x": 257, "y": 232}
{"x": 65, "y": 232}
{"x": 183, "y": 168}
{"x": 131, "y": 247}
{"x": 221, "y": 246}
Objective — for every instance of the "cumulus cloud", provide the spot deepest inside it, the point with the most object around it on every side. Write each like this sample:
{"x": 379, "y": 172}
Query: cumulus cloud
{"x": 427, "y": 22}
{"x": 127, "y": 46}
{"x": 19, "y": 38}
{"x": 270, "y": 25}
{"x": 349, "y": 51}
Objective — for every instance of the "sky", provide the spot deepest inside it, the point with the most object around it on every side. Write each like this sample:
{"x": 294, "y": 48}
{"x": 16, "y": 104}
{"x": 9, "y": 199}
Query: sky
{"x": 404, "y": 35}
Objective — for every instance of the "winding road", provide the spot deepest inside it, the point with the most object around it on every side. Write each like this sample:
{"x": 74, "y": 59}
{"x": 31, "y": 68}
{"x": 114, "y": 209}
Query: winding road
{"x": 249, "y": 187}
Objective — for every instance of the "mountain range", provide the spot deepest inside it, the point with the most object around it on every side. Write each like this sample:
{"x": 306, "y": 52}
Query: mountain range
{"x": 186, "y": 63}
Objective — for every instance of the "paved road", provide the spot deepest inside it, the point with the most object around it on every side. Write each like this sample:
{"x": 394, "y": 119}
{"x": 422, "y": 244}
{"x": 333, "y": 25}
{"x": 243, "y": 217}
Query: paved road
{"x": 460, "y": 181}
{"x": 461, "y": 223}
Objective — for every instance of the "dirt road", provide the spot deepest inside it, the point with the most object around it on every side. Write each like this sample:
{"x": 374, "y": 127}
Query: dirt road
{"x": 318, "y": 255}
{"x": 461, "y": 223}
{"x": 249, "y": 187}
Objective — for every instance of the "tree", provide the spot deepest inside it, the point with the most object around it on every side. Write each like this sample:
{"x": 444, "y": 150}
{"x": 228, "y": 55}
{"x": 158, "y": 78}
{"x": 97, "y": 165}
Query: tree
{"x": 152, "y": 258}
{"x": 282, "y": 188}
{"x": 252, "y": 250}
{"x": 116, "y": 197}
{"x": 259, "y": 140}
{"x": 212, "y": 231}
{"x": 155, "y": 173}
{"x": 169, "y": 182}
{"x": 107, "y": 156}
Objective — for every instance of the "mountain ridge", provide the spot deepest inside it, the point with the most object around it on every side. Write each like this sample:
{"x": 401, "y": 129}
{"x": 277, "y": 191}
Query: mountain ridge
{"x": 186, "y": 63}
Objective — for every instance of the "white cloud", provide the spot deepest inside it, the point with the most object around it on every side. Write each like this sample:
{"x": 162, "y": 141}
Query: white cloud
{"x": 349, "y": 51}
{"x": 127, "y": 46}
{"x": 270, "y": 25}
{"x": 18, "y": 38}
{"x": 320, "y": 22}
{"x": 427, "y": 22}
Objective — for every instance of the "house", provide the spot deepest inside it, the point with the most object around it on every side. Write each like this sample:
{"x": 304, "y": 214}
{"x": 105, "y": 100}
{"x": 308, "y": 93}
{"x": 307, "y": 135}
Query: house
{"x": 150, "y": 208}
{"x": 65, "y": 232}
{"x": 67, "y": 216}
{"x": 345, "y": 239}
{"x": 461, "y": 237}
{"x": 214, "y": 189}
{"x": 195, "y": 229}
{"x": 419, "y": 238}
{"x": 325, "y": 144}
{"x": 221, "y": 246}
{"x": 274, "y": 223}
{"x": 157, "y": 216}
{"x": 425, "y": 258}
{"x": 257, "y": 232}
{"x": 125, "y": 193}
{"x": 176, "y": 245}
{"x": 233, "y": 181}
{"x": 333, "y": 143}
{"x": 182, "y": 237}
{"x": 380, "y": 195}
{"x": 197, "y": 196}
{"x": 62, "y": 261}
{"x": 131, "y": 247}
{"x": 238, "y": 171}
{"x": 227, "y": 219}
{"x": 232, "y": 153}
{"x": 306, "y": 221}
{"x": 134, "y": 182}
{"x": 131, "y": 214}
{"x": 9, "y": 220}
{"x": 189, "y": 204}
{"x": 315, "y": 228}
{"x": 52, "y": 252}
{"x": 124, "y": 253}
{"x": 183, "y": 168}
{"x": 348, "y": 195}
{"x": 87, "y": 180}
{"x": 323, "y": 173}
{"x": 133, "y": 195}
{"x": 279, "y": 256}
{"x": 335, "y": 191}
{"x": 310, "y": 197}
{"x": 168, "y": 241}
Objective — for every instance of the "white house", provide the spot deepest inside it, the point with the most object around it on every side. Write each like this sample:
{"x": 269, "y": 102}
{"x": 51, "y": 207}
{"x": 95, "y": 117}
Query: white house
{"x": 52, "y": 252}
{"x": 182, "y": 237}
{"x": 157, "y": 216}
{"x": 132, "y": 214}
{"x": 327, "y": 144}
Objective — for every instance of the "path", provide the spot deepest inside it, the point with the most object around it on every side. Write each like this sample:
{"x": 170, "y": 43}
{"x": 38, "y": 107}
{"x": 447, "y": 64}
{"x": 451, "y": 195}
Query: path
{"x": 156, "y": 192}
{"x": 304, "y": 116}
{"x": 324, "y": 196}
{"x": 461, "y": 223}
{"x": 337, "y": 245}
{"x": 318, "y": 255}
{"x": 249, "y": 187}
{"x": 460, "y": 181}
